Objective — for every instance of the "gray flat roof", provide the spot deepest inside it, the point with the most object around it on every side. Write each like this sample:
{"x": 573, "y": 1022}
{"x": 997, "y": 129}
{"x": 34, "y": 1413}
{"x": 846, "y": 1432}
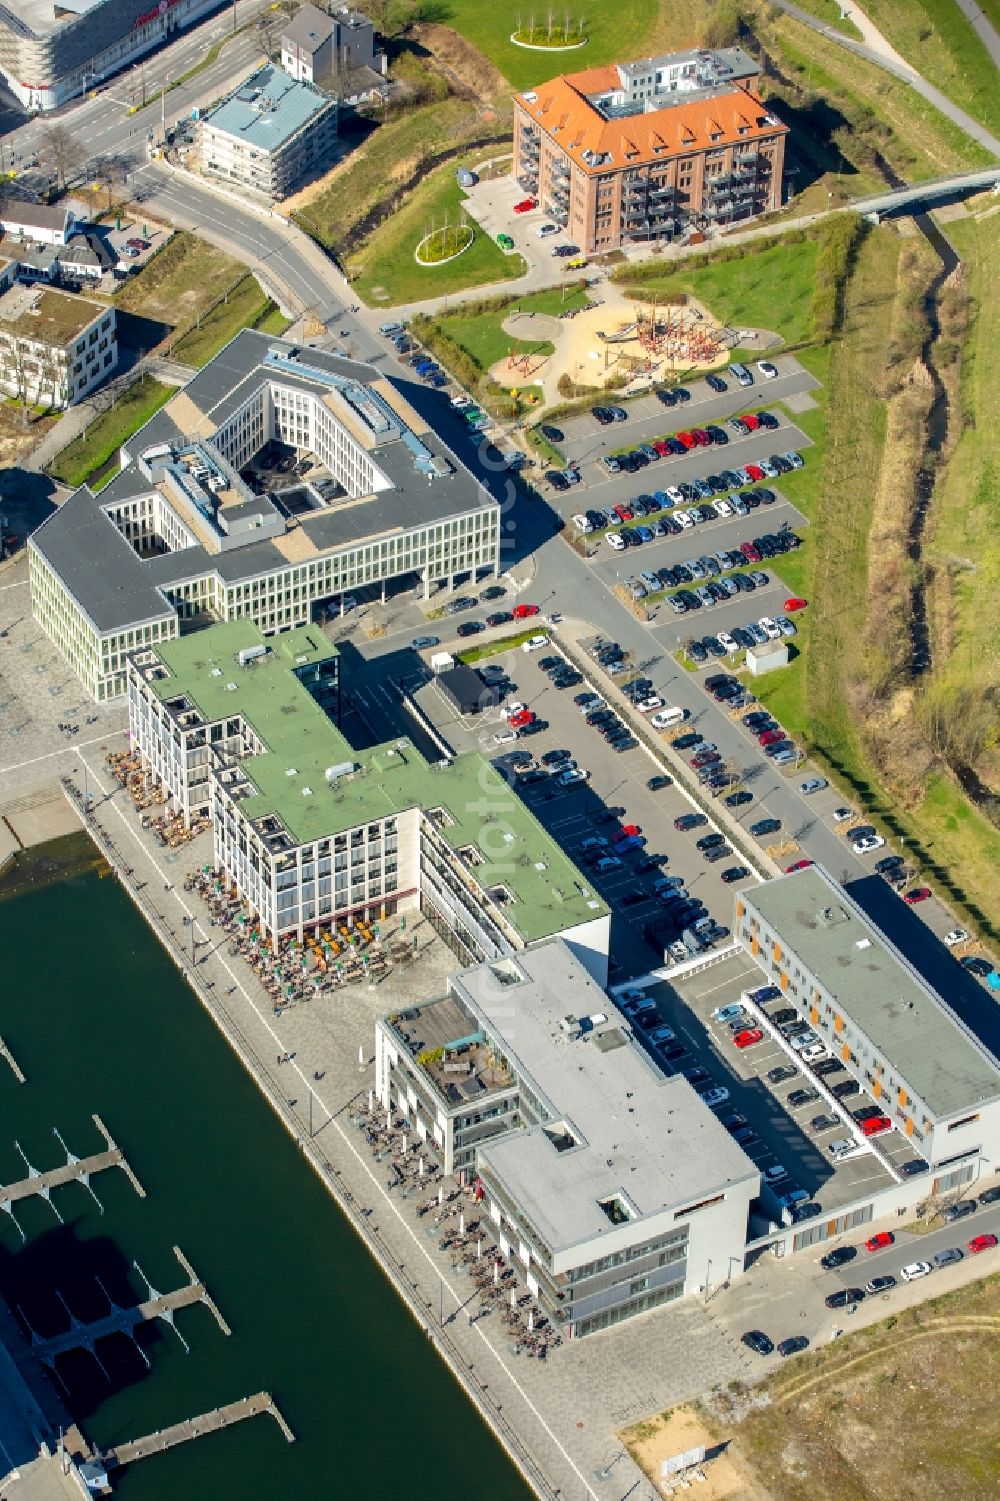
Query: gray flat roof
{"x": 910, "y": 1023}
{"x": 268, "y": 109}
{"x": 116, "y": 588}
{"x": 644, "y": 1138}
{"x": 309, "y": 28}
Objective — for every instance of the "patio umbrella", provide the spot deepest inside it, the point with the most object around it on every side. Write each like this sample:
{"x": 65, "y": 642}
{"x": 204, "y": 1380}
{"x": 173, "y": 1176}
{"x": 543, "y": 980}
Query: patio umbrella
{"x": 531, "y": 1321}
{"x": 440, "y": 1194}
{"x": 404, "y": 1142}
{"x": 513, "y": 1297}
{"x": 420, "y": 1168}
{"x": 361, "y": 1055}
{"x": 461, "y": 1224}
{"x": 479, "y": 1249}
{"x": 371, "y": 1100}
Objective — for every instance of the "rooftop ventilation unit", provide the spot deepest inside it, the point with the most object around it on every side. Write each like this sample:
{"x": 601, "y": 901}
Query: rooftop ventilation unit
{"x": 250, "y": 654}
{"x": 342, "y": 769}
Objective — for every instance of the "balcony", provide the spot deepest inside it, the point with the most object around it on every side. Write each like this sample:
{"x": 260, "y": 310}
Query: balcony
{"x": 557, "y": 214}
{"x": 560, "y": 169}
{"x": 529, "y": 147}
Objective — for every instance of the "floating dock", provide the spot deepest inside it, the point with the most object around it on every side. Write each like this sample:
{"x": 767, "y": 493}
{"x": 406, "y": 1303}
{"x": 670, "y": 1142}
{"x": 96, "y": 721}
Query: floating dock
{"x": 210, "y": 1422}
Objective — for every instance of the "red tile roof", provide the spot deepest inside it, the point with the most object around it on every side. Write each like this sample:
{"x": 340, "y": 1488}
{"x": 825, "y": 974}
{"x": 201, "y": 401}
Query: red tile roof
{"x": 562, "y": 109}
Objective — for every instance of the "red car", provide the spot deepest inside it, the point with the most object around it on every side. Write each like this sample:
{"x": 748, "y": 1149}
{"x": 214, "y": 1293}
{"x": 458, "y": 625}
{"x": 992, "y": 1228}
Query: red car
{"x": 982, "y": 1243}
{"x": 881, "y": 1241}
{"x": 751, "y": 553}
{"x": 755, "y": 472}
{"x": 521, "y": 612}
{"x": 688, "y": 439}
{"x": 768, "y": 737}
{"x": 525, "y": 206}
{"x": 799, "y": 865}
{"x": 623, "y": 511}
{"x": 702, "y": 438}
{"x": 918, "y": 894}
{"x": 750, "y": 420}
{"x": 663, "y": 449}
{"x": 748, "y": 1038}
{"x": 627, "y": 831}
{"x": 520, "y": 719}
{"x": 793, "y": 604}
{"x": 875, "y": 1125}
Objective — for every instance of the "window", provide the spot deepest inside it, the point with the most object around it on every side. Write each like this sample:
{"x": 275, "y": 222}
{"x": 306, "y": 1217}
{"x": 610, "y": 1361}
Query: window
{"x": 967, "y": 1120}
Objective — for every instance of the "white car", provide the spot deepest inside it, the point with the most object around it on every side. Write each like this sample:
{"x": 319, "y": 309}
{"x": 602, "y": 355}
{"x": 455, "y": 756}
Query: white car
{"x": 841, "y": 815}
{"x": 554, "y": 619}
{"x": 866, "y": 845}
{"x": 568, "y": 778}
{"x": 504, "y": 737}
{"x": 802, "y": 1041}
{"x": 535, "y": 643}
{"x": 460, "y": 403}
{"x": 915, "y": 1269}
{"x": 767, "y": 370}
{"x": 664, "y": 718}
{"x": 592, "y": 708}
{"x": 957, "y": 935}
{"x": 722, "y": 508}
{"x": 648, "y": 705}
{"x": 683, "y": 519}
{"x": 582, "y": 524}
{"x": 615, "y": 542}
{"x": 729, "y": 642}
{"x": 675, "y": 495}
{"x": 544, "y": 230}
{"x": 514, "y": 707}
{"x": 812, "y": 784}
{"x": 771, "y": 628}
{"x": 714, "y": 1097}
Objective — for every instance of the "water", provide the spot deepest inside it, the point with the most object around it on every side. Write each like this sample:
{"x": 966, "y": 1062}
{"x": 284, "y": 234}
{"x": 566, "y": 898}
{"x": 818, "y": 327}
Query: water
{"x": 100, "y": 1022}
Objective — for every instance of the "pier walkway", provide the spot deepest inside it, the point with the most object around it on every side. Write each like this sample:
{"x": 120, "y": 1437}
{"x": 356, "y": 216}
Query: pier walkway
{"x": 210, "y": 1422}
{"x": 125, "y": 1320}
{"x": 74, "y": 1170}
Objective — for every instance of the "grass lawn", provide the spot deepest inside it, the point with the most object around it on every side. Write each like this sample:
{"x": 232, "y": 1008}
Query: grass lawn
{"x": 89, "y": 452}
{"x": 383, "y": 271}
{"x": 746, "y": 291}
{"x": 963, "y": 544}
{"x": 922, "y": 142}
{"x": 494, "y": 648}
{"x": 829, "y": 11}
{"x": 247, "y": 307}
{"x": 483, "y": 338}
{"x": 613, "y": 32}
{"x": 386, "y": 160}
{"x": 842, "y": 1407}
{"x": 181, "y": 282}
{"x": 935, "y": 37}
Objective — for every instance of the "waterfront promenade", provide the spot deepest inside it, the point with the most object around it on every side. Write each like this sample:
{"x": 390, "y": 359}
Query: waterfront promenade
{"x": 556, "y": 1418}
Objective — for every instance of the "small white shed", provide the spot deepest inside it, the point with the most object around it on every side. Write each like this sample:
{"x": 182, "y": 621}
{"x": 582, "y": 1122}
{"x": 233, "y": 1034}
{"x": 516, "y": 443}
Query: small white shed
{"x": 766, "y": 658}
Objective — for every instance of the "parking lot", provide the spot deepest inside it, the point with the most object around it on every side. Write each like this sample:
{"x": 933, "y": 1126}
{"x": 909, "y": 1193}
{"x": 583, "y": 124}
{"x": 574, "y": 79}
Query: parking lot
{"x": 776, "y": 1131}
{"x": 616, "y": 781}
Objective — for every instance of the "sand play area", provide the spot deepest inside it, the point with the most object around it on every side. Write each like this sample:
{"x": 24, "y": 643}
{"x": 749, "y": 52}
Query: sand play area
{"x": 615, "y": 338}
{"x": 722, "y": 1476}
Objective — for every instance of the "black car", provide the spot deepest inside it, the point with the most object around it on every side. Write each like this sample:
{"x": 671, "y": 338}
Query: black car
{"x": 717, "y": 434}
{"x": 554, "y": 434}
{"x": 866, "y": 1113}
{"x": 688, "y": 741}
{"x": 827, "y": 1066}
{"x": 671, "y": 1051}
{"x": 495, "y": 591}
{"x": 781, "y": 1073}
{"x": 823, "y": 1123}
{"x": 792, "y": 1345}
{"x": 656, "y": 784}
{"x": 687, "y": 821}
{"x": 991, "y": 1196}
{"x": 845, "y": 1089}
{"x": 799, "y": 1097}
{"x": 537, "y": 727}
{"x": 738, "y": 799}
{"x": 786, "y": 1014}
{"x": 557, "y": 479}
{"x": 709, "y": 841}
{"x": 602, "y": 415}
{"x": 696, "y": 651}
{"x": 716, "y": 383}
{"x": 848, "y": 1297}
{"x": 839, "y": 1257}
{"x": 629, "y": 742}
{"x": 735, "y": 873}
{"x": 765, "y": 826}
{"x": 470, "y": 628}
{"x": 976, "y": 965}
{"x": 551, "y": 757}
{"x": 499, "y": 617}
{"x": 757, "y": 1340}
{"x": 880, "y": 1284}
{"x": 959, "y": 1211}
{"x": 632, "y": 898}
{"x": 667, "y": 397}
{"x": 696, "y": 1074}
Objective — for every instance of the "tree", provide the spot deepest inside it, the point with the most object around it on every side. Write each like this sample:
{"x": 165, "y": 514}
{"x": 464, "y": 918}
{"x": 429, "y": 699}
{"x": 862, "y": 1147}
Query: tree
{"x": 60, "y": 153}
{"x": 110, "y": 171}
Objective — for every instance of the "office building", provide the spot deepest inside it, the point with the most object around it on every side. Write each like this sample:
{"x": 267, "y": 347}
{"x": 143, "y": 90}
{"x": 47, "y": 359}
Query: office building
{"x": 55, "y": 347}
{"x": 612, "y": 1188}
{"x": 311, "y": 832}
{"x": 51, "y": 52}
{"x": 180, "y": 538}
{"x": 270, "y": 134}
{"x": 906, "y": 1046}
{"x": 633, "y": 153}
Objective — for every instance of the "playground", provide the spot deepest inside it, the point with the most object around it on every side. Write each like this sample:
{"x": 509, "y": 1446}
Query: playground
{"x": 630, "y": 344}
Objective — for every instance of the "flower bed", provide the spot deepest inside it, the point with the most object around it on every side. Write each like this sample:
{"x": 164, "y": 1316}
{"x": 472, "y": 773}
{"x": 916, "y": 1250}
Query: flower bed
{"x": 444, "y": 245}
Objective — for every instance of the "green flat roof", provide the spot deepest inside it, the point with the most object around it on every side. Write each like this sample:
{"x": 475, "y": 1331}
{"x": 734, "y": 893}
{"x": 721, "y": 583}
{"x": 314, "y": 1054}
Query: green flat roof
{"x": 549, "y": 893}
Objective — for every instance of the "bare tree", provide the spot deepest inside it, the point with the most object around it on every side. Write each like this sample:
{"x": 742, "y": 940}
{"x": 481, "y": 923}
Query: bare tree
{"x": 111, "y": 171}
{"x": 59, "y": 152}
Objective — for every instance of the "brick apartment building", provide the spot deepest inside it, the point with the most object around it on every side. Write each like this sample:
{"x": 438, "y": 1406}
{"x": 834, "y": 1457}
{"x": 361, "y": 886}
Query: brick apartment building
{"x": 631, "y": 153}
